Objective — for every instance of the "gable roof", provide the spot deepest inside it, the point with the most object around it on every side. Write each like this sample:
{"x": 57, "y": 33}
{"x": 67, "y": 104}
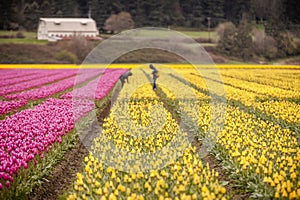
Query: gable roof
{"x": 70, "y": 24}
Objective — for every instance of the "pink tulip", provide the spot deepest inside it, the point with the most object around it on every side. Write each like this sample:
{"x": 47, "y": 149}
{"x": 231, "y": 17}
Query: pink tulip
{"x": 7, "y": 184}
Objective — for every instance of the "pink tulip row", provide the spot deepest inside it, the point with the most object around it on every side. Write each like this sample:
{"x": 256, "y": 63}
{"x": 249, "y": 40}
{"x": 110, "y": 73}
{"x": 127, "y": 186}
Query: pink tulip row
{"x": 48, "y": 90}
{"x": 7, "y": 106}
{"x": 14, "y": 73}
{"x": 34, "y": 83}
{"x": 107, "y": 82}
{"x": 41, "y": 74}
{"x": 32, "y": 132}
{"x": 98, "y": 88}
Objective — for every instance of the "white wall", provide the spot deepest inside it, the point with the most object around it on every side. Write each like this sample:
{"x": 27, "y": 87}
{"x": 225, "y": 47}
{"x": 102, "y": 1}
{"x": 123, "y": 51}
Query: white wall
{"x": 47, "y": 29}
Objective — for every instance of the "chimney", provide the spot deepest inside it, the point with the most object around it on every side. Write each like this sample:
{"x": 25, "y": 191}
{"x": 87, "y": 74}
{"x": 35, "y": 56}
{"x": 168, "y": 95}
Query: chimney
{"x": 90, "y": 12}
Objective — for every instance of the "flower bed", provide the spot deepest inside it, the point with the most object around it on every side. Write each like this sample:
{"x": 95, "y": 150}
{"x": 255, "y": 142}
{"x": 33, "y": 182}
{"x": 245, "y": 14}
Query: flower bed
{"x": 8, "y": 106}
{"x": 48, "y": 90}
{"x": 101, "y": 85}
{"x": 37, "y": 74}
{"x": 32, "y": 140}
{"x": 34, "y": 83}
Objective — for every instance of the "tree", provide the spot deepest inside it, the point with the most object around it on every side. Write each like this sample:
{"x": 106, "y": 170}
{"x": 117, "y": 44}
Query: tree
{"x": 227, "y": 34}
{"x": 66, "y": 8}
{"x": 275, "y": 18}
{"x": 119, "y": 22}
{"x": 192, "y": 12}
{"x": 101, "y": 10}
{"x": 47, "y": 8}
{"x": 244, "y": 44}
{"x": 213, "y": 9}
{"x": 292, "y": 10}
{"x": 260, "y": 9}
{"x": 236, "y": 41}
{"x": 83, "y": 7}
{"x": 33, "y": 14}
{"x": 139, "y": 16}
{"x": 277, "y": 14}
{"x": 153, "y": 11}
{"x": 7, "y": 13}
{"x": 172, "y": 14}
{"x": 234, "y": 9}
{"x": 19, "y": 9}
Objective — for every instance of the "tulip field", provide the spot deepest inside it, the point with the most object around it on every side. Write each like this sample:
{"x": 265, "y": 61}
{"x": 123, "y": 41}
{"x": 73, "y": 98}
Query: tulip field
{"x": 150, "y": 142}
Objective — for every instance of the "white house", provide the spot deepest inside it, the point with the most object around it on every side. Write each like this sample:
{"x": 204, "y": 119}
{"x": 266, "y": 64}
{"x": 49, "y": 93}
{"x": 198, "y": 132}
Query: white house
{"x": 51, "y": 28}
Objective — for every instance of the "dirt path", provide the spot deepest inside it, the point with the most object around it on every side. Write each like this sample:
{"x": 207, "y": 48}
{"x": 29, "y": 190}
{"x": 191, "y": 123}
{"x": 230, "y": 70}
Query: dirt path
{"x": 63, "y": 174}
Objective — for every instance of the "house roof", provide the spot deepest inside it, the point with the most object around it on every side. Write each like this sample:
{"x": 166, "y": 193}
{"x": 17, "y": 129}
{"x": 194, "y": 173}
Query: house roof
{"x": 70, "y": 24}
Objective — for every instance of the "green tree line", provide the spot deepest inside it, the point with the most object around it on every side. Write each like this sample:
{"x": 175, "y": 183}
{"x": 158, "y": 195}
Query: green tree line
{"x": 24, "y": 14}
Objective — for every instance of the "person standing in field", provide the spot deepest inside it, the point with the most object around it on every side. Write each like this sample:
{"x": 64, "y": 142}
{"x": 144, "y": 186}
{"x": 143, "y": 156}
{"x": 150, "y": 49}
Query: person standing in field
{"x": 125, "y": 77}
{"x": 155, "y": 75}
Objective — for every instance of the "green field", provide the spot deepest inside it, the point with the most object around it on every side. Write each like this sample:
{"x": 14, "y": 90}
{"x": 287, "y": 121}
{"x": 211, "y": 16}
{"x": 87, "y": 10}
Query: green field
{"x": 31, "y": 35}
{"x": 30, "y": 38}
{"x": 189, "y": 33}
{"x": 200, "y": 34}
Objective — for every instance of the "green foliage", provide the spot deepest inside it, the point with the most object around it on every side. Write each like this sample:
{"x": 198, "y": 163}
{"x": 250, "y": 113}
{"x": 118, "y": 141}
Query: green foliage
{"x": 234, "y": 9}
{"x": 119, "y": 22}
{"x": 215, "y": 10}
{"x": 236, "y": 41}
{"x": 187, "y": 13}
{"x": 79, "y": 46}
{"x": 101, "y": 10}
{"x": 292, "y": 11}
{"x": 32, "y": 13}
{"x": 264, "y": 45}
{"x": 227, "y": 33}
{"x": 20, "y": 35}
{"x": 286, "y": 45}
{"x": 66, "y": 56}
{"x": 7, "y": 14}
{"x": 192, "y": 12}
{"x": 244, "y": 43}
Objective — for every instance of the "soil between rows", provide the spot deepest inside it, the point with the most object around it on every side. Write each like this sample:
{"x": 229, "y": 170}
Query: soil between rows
{"x": 64, "y": 173}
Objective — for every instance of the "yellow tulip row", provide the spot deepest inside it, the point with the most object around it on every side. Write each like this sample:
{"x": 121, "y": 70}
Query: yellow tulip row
{"x": 143, "y": 154}
{"x": 255, "y": 87}
{"x": 190, "y": 101}
{"x": 285, "y": 79}
{"x": 259, "y": 150}
{"x": 280, "y": 108}
{"x": 288, "y": 111}
{"x": 262, "y": 89}
{"x": 185, "y": 178}
{"x": 264, "y": 150}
